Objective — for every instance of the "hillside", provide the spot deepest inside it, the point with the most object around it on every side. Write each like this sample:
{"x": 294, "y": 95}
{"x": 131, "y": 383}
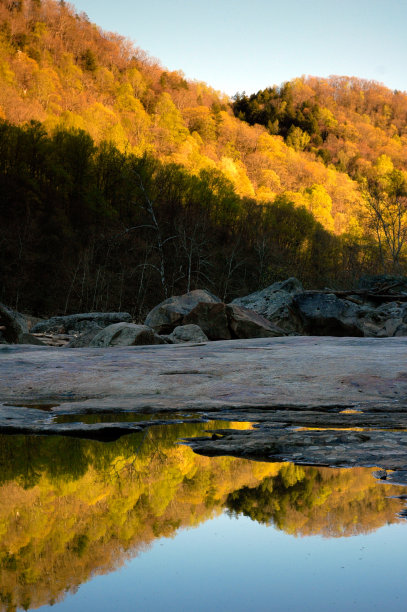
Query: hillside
{"x": 251, "y": 172}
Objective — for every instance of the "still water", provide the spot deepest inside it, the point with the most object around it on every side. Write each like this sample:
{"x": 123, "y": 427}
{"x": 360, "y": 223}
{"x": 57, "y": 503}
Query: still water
{"x": 145, "y": 524}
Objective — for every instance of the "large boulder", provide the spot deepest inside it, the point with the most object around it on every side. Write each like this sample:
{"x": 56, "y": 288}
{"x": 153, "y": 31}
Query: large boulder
{"x": 245, "y": 323}
{"x": 187, "y": 333}
{"x": 12, "y": 325}
{"x": 227, "y": 321}
{"x": 275, "y": 303}
{"x": 80, "y": 322}
{"x": 324, "y": 314}
{"x": 14, "y": 328}
{"x": 167, "y": 315}
{"x": 212, "y": 319}
{"x": 125, "y": 334}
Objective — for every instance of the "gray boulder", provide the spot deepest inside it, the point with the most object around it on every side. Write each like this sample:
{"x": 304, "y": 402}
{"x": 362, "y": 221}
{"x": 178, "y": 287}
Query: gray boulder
{"x": 275, "y": 303}
{"x": 125, "y": 334}
{"x": 324, "y": 314}
{"x": 245, "y": 323}
{"x": 227, "y": 321}
{"x": 187, "y": 333}
{"x": 12, "y": 325}
{"x": 14, "y": 328}
{"x": 80, "y": 322}
{"x": 167, "y": 315}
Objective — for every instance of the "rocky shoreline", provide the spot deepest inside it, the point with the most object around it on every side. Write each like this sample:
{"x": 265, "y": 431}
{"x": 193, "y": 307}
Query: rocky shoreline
{"x": 314, "y": 400}
{"x": 321, "y": 375}
{"x": 377, "y": 308}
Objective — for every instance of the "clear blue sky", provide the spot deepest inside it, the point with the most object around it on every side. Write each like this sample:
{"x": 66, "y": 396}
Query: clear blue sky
{"x": 236, "y": 45}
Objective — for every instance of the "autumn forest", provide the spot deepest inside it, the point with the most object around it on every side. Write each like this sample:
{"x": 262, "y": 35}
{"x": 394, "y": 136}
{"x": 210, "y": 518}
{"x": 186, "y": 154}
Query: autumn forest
{"x": 122, "y": 183}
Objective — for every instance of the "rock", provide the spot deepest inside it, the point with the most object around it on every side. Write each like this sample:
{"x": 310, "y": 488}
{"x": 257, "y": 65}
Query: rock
{"x": 188, "y": 333}
{"x": 30, "y": 339}
{"x": 13, "y": 327}
{"x": 280, "y": 383}
{"x": 165, "y": 317}
{"x": 245, "y": 323}
{"x": 125, "y": 334}
{"x": 81, "y": 322}
{"x": 57, "y": 340}
{"x": 212, "y": 319}
{"x": 389, "y": 319}
{"x": 275, "y": 303}
{"x": 84, "y": 339}
{"x": 323, "y": 314}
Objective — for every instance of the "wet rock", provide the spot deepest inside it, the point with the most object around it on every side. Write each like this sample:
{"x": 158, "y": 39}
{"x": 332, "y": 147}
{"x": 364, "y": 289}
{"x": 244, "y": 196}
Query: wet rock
{"x": 81, "y": 322}
{"x": 125, "y": 334}
{"x": 285, "y": 385}
{"x": 212, "y": 319}
{"x": 187, "y": 333}
{"x": 245, "y": 323}
{"x": 275, "y": 303}
{"x": 325, "y": 448}
{"x": 165, "y": 317}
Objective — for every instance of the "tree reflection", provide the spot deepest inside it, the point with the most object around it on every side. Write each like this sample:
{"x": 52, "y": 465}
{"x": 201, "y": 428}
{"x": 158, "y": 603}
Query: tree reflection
{"x": 72, "y": 508}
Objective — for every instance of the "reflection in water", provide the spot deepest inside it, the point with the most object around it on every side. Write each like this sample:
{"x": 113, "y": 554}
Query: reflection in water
{"x": 70, "y": 509}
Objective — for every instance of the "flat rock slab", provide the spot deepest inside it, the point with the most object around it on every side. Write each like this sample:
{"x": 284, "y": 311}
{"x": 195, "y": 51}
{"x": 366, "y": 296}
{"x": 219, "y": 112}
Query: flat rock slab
{"x": 264, "y": 372}
{"x": 281, "y": 383}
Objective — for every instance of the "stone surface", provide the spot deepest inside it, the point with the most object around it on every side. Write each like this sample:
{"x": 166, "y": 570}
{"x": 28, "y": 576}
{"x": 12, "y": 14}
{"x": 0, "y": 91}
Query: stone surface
{"x": 286, "y": 385}
{"x": 165, "y": 317}
{"x": 275, "y": 303}
{"x": 80, "y": 322}
{"x": 212, "y": 319}
{"x": 187, "y": 333}
{"x": 292, "y": 371}
{"x": 245, "y": 323}
{"x": 125, "y": 334}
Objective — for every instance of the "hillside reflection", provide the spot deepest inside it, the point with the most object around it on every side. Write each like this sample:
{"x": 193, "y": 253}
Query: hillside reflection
{"x": 71, "y": 509}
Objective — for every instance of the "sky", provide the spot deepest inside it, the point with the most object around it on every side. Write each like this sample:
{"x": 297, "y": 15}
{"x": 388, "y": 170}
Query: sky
{"x": 236, "y": 45}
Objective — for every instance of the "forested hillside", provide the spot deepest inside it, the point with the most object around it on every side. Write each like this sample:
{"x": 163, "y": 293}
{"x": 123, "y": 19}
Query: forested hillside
{"x": 134, "y": 183}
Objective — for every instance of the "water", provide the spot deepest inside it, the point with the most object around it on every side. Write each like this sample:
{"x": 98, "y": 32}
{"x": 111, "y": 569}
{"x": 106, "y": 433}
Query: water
{"x": 143, "y": 523}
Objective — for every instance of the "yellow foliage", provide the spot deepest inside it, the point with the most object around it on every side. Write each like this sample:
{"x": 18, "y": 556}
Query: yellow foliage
{"x": 235, "y": 172}
{"x": 6, "y": 73}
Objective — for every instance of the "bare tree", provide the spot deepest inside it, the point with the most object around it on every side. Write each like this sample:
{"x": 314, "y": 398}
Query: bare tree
{"x": 387, "y": 210}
